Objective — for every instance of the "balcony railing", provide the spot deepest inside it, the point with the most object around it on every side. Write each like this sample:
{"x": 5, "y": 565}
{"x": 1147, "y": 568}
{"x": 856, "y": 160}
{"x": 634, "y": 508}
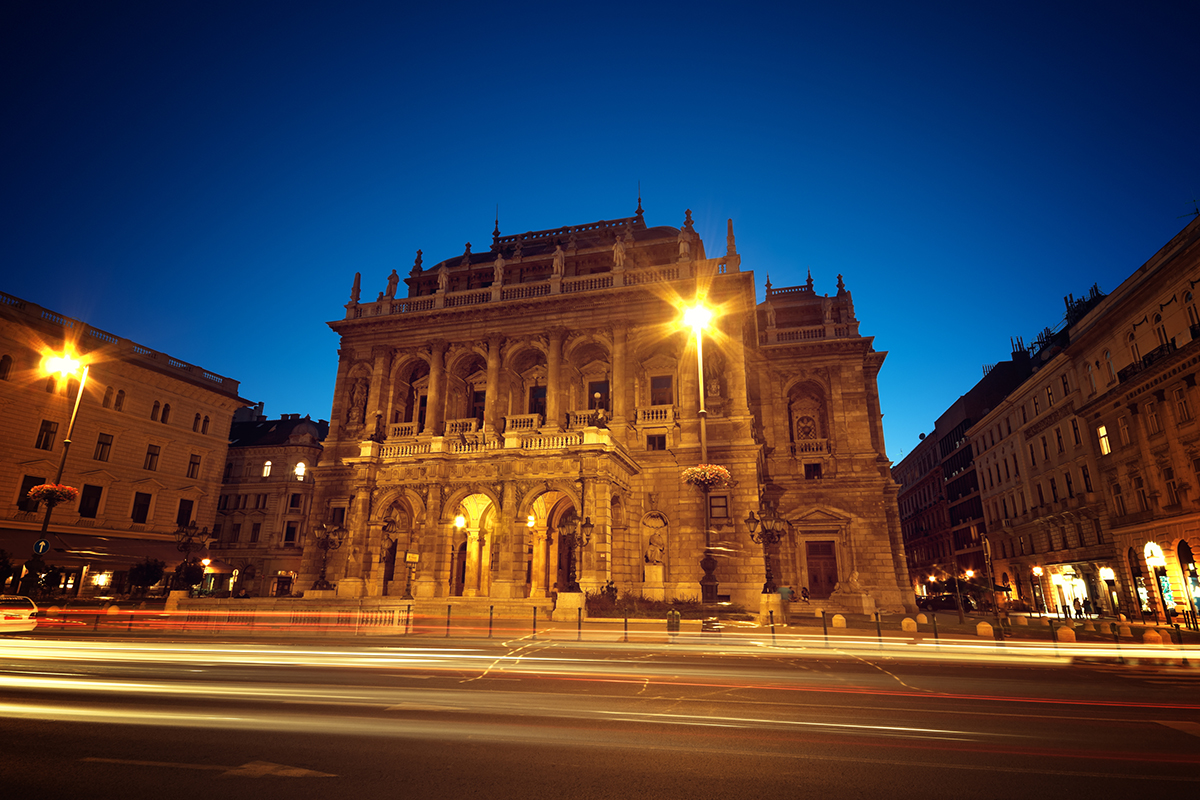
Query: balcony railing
{"x": 522, "y": 422}
{"x": 810, "y": 446}
{"x": 663, "y": 415}
{"x": 404, "y": 430}
{"x": 456, "y": 427}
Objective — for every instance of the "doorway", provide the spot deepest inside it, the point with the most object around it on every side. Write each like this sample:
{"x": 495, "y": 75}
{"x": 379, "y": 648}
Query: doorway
{"x": 822, "y": 568}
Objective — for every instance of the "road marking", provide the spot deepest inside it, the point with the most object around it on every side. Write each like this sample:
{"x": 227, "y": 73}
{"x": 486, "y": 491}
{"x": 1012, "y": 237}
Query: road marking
{"x": 1186, "y": 727}
{"x": 251, "y": 769}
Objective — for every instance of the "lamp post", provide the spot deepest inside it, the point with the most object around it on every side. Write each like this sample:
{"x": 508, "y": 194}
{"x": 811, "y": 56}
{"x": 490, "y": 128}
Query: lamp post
{"x": 1037, "y": 589}
{"x": 697, "y": 318}
{"x": 64, "y": 365}
{"x": 773, "y": 530}
{"x": 581, "y": 535}
{"x": 189, "y": 538}
{"x": 326, "y": 539}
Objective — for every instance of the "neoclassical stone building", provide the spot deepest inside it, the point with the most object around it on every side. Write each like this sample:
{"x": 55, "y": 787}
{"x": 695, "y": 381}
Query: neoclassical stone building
{"x": 515, "y": 392}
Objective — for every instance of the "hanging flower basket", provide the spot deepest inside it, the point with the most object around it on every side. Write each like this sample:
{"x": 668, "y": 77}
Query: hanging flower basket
{"x": 707, "y": 476}
{"x": 53, "y": 493}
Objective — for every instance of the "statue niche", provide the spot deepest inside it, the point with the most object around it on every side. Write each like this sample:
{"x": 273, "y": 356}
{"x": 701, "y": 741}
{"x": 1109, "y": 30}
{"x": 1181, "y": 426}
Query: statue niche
{"x": 654, "y": 548}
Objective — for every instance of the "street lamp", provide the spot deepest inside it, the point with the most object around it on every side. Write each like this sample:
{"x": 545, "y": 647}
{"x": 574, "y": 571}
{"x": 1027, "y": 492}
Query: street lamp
{"x": 581, "y": 534}
{"x": 64, "y": 365}
{"x": 697, "y": 318}
{"x": 326, "y": 539}
{"x": 189, "y": 538}
{"x": 1037, "y": 589}
{"x": 773, "y": 530}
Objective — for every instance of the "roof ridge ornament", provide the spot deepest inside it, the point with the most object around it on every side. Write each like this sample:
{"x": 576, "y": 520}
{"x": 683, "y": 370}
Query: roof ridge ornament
{"x": 730, "y": 247}
{"x": 639, "y": 211}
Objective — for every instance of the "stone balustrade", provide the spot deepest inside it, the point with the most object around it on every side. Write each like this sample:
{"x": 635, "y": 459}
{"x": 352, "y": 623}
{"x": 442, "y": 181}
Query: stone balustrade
{"x": 522, "y": 422}
{"x": 664, "y": 415}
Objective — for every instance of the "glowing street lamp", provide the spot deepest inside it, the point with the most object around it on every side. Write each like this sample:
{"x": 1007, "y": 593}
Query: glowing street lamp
{"x": 697, "y": 318}
{"x": 65, "y": 366}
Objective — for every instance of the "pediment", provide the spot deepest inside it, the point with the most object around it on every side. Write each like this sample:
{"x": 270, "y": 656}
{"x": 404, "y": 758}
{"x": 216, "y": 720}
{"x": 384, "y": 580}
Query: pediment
{"x": 100, "y": 475}
{"x": 38, "y": 464}
{"x": 659, "y": 362}
{"x": 149, "y": 482}
{"x": 818, "y": 516}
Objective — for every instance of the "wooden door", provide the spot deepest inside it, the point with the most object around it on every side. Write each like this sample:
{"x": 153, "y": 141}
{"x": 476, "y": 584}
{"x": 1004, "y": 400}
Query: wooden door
{"x": 822, "y": 568}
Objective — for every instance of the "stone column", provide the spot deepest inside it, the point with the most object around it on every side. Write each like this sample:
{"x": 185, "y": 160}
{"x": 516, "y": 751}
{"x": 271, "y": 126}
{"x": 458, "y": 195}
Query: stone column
{"x": 425, "y": 576}
{"x": 377, "y": 403}
{"x": 435, "y": 404}
{"x": 537, "y": 578}
{"x": 491, "y": 409}
{"x": 471, "y": 585}
{"x": 554, "y": 398}
{"x": 619, "y": 389}
{"x": 736, "y": 359}
{"x": 509, "y": 536}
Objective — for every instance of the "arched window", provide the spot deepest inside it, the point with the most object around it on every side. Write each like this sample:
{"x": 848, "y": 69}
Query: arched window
{"x": 300, "y": 468}
{"x": 266, "y": 469}
{"x": 1091, "y": 378}
{"x": 1112, "y": 373}
{"x": 1193, "y": 315}
{"x": 51, "y": 384}
{"x": 1134, "y": 352}
{"x": 1160, "y": 330}
{"x": 196, "y": 424}
{"x": 5, "y": 367}
{"x": 119, "y": 403}
{"x": 108, "y": 397}
{"x": 154, "y": 411}
{"x": 166, "y": 414}
{"x": 204, "y": 426}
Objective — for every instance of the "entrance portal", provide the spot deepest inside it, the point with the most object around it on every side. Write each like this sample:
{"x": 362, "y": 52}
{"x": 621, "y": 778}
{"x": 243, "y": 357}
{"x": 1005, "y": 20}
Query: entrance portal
{"x": 822, "y": 568}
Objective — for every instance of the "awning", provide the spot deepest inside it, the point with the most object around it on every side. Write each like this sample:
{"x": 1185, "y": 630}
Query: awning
{"x": 97, "y": 551}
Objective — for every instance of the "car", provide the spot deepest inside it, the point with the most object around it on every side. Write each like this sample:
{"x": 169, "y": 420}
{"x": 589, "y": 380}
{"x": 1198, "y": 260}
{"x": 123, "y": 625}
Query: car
{"x": 17, "y": 613}
{"x": 944, "y": 602}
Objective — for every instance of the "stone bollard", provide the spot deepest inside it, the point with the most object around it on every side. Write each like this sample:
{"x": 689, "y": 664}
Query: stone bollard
{"x": 1064, "y": 634}
{"x": 908, "y": 624}
{"x": 1087, "y": 626}
{"x": 113, "y": 609}
{"x": 1151, "y": 636}
{"x": 818, "y": 613}
{"x": 1123, "y": 618}
{"x": 838, "y": 621}
{"x": 1125, "y": 630}
{"x": 1021, "y": 621}
{"x": 922, "y": 619}
{"x": 984, "y": 631}
{"x": 1043, "y": 621}
{"x": 53, "y": 611}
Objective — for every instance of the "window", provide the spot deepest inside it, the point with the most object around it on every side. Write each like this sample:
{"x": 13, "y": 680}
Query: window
{"x": 718, "y": 506}
{"x": 300, "y": 468}
{"x": 1070, "y": 483}
{"x": 51, "y": 384}
{"x": 661, "y": 391}
{"x": 294, "y": 501}
{"x": 1139, "y": 489}
{"x": 1041, "y": 495}
{"x": 1134, "y": 352}
{"x": 266, "y": 469}
{"x": 812, "y": 472}
{"x": 216, "y": 534}
{"x": 1108, "y": 363}
{"x": 1123, "y": 429}
{"x": 103, "y": 447}
{"x": 228, "y": 472}
{"x": 1152, "y": 423}
{"x": 1066, "y": 384}
{"x": 196, "y": 424}
{"x": 656, "y": 441}
{"x": 289, "y": 535}
{"x": 183, "y": 517}
{"x": 166, "y": 414}
{"x": 119, "y": 403}
{"x": 222, "y": 502}
{"x": 260, "y": 501}
{"x": 1091, "y": 379}
{"x": 1032, "y": 456}
{"x": 1049, "y": 397}
{"x": 1159, "y": 329}
{"x": 1058, "y": 440}
{"x": 1118, "y": 500}
{"x": 141, "y": 507}
{"x": 1021, "y": 494}
{"x": 27, "y": 483}
{"x": 5, "y": 367}
{"x": 601, "y": 388}
{"x": 337, "y": 516}
{"x": 1045, "y": 449}
{"x": 204, "y": 426}
{"x": 255, "y": 531}
{"x": 193, "y": 470}
{"x": 108, "y": 398}
{"x": 151, "y": 462}
{"x": 154, "y": 411}
{"x": 1037, "y": 408}
{"x": 1172, "y": 487}
{"x": 1087, "y": 478}
{"x": 235, "y": 531}
{"x": 1182, "y": 408}
{"x": 46, "y": 434}
{"x": 1007, "y": 474}
{"x": 537, "y": 402}
{"x": 242, "y": 500}
{"x": 1024, "y": 415}
{"x": 1054, "y": 490}
{"x": 1075, "y": 432}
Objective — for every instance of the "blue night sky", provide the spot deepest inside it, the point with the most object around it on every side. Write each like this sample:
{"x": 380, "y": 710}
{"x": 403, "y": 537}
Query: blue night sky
{"x": 205, "y": 178}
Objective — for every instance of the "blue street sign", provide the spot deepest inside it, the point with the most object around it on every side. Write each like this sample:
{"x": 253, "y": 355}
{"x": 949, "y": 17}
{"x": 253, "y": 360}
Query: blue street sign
{"x": 40, "y": 546}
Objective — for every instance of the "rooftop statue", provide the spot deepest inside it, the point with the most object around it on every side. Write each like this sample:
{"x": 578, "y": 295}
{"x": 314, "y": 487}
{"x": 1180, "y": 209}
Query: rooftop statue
{"x": 685, "y": 244}
{"x": 619, "y": 252}
{"x": 498, "y": 270}
{"x": 560, "y": 260}
{"x": 443, "y": 278}
{"x": 356, "y": 289}
{"x": 393, "y": 282}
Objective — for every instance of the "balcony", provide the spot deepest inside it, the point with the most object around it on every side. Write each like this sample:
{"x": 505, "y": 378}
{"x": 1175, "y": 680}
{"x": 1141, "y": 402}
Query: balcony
{"x": 657, "y": 415}
{"x": 806, "y": 447}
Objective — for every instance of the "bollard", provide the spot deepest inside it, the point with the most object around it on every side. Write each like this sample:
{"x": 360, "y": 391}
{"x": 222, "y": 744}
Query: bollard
{"x": 1182, "y": 652}
{"x": 534, "y": 635}
{"x": 1117, "y": 642}
{"x": 825, "y": 627}
{"x": 447, "y": 620}
{"x": 771, "y": 614}
{"x": 933, "y": 618}
{"x": 491, "y": 612}
{"x": 879, "y": 630}
{"x": 626, "y": 639}
{"x": 579, "y": 624}
{"x": 407, "y": 620}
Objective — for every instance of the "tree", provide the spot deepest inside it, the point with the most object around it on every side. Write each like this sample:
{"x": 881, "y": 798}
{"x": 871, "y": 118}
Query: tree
{"x": 144, "y": 575}
{"x": 188, "y": 574}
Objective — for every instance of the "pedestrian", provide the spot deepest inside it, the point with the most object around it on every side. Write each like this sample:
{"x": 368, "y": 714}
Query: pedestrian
{"x": 1087, "y": 607}
{"x": 804, "y": 594}
{"x": 1078, "y": 609}
{"x": 785, "y": 594}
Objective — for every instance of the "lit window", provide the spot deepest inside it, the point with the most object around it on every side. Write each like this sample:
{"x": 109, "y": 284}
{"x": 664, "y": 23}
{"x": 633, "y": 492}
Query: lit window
{"x": 300, "y": 471}
{"x": 1105, "y": 447}
{"x": 1049, "y": 397}
{"x": 266, "y": 469}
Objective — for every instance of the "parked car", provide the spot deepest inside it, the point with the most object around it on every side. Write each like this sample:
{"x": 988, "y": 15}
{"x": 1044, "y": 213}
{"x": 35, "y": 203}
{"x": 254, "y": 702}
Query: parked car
{"x": 17, "y": 613}
{"x": 944, "y": 602}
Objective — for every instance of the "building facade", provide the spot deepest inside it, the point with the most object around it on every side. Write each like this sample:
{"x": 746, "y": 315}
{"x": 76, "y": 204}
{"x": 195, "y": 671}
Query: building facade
{"x": 1108, "y": 444}
{"x": 519, "y": 391}
{"x": 266, "y": 499}
{"x": 149, "y": 443}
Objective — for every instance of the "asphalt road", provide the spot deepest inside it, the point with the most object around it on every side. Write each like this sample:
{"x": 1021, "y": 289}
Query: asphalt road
{"x": 522, "y": 718}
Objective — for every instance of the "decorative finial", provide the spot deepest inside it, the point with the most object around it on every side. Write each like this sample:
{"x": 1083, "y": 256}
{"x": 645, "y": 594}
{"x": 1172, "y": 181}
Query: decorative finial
{"x": 687, "y": 219}
{"x": 730, "y": 248}
{"x": 496, "y": 230}
{"x": 841, "y": 284}
{"x": 639, "y": 208}
{"x": 768, "y": 283}
{"x": 466, "y": 259}
{"x": 809, "y": 282}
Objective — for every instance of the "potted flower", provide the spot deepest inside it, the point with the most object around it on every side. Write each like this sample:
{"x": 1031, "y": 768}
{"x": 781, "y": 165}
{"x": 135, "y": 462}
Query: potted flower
{"x": 707, "y": 476}
{"x": 53, "y": 494}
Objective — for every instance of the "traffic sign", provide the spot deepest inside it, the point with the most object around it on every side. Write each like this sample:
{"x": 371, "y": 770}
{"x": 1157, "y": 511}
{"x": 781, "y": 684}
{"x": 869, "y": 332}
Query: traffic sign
{"x": 40, "y": 547}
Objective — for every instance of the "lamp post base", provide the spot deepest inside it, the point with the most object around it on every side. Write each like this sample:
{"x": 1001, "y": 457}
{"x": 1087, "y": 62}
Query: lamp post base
{"x": 709, "y": 583}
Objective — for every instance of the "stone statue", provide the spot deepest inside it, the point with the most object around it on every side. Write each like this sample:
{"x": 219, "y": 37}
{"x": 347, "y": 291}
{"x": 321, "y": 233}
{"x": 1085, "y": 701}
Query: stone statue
{"x": 356, "y": 289}
{"x": 393, "y": 282}
{"x": 356, "y": 413}
{"x": 498, "y": 271}
{"x": 517, "y": 251}
{"x": 560, "y": 261}
{"x": 827, "y": 308}
{"x": 685, "y": 244}
{"x": 619, "y": 252}
{"x": 656, "y": 548}
{"x": 443, "y": 278}
{"x": 770, "y": 315}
